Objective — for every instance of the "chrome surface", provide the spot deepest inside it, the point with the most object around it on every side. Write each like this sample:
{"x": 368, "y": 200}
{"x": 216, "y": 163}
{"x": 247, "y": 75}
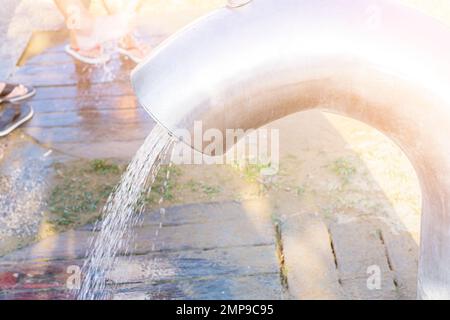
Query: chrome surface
{"x": 379, "y": 62}
{"x": 237, "y": 3}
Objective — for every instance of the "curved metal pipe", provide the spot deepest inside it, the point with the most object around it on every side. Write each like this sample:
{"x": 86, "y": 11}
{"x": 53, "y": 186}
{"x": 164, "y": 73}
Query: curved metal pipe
{"x": 383, "y": 64}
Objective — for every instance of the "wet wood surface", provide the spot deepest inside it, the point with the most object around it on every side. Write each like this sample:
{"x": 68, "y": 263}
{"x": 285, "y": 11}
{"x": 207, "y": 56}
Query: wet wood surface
{"x": 81, "y": 110}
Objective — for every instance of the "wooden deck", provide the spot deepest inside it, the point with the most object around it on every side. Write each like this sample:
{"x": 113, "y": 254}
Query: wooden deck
{"x": 80, "y": 110}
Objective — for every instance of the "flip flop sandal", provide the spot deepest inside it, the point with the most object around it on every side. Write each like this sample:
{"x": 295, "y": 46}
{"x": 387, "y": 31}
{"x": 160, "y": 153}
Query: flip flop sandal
{"x": 9, "y": 88}
{"x": 89, "y": 60}
{"x": 13, "y": 117}
{"x": 130, "y": 55}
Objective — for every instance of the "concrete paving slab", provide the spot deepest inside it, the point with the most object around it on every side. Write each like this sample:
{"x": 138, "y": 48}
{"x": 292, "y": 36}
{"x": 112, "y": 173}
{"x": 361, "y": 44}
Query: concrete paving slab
{"x": 202, "y": 236}
{"x": 200, "y": 213}
{"x": 200, "y": 257}
{"x": 403, "y": 255}
{"x": 205, "y": 235}
{"x": 68, "y": 245}
{"x": 262, "y": 287}
{"x": 309, "y": 260}
{"x": 190, "y": 264}
{"x": 360, "y": 253}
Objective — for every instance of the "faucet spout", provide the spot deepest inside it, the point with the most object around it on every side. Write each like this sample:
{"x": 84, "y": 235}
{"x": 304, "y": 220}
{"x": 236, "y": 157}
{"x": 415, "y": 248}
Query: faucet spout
{"x": 383, "y": 64}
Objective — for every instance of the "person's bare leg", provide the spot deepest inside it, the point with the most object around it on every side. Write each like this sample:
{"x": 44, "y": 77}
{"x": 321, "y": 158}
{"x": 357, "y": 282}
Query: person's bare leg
{"x": 118, "y": 6}
{"x": 128, "y": 42}
{"x": 88, "y": 32}
{"x": 74, "y": 9}
{"x": 81, "y": 27}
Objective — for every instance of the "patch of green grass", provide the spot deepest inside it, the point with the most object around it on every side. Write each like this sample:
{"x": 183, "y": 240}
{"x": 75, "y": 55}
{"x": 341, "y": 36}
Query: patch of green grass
{"x": 344, "y": 169}
{"x": 301, "y": 191}
{"x": 104, "y": 167}
{"x": 70, "y": 199}
{"x": 211, "y": 191}
{"x": 276, "y": 220}
{"x": 80, "y": 189}
{"x": 252, "y": 172}
{"x": 328, "y": 212}
{"x": 193, "y": 185}
{"x": 200, "y": 187}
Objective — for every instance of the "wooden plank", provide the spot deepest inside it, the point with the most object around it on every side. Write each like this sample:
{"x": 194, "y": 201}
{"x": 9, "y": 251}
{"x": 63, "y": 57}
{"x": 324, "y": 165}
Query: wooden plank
{"x": 47, "y": 70}
{"x": 89, "y": 134}
{"x": 84, "y": 91}
{"x": 91, "y": 117}
{"x": 48, "y": 58}
{"x": 122, "y": 150}
{"x": 56, "y": 68}
{"x": 73, "y": 105}
{"x": 68, "y": 76}
{"x": 71, "y": 68}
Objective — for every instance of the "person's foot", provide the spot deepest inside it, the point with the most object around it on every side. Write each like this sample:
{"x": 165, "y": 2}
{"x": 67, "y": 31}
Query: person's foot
{"x": 90, "y": 53}
{"x": 12, "y": 116}
{"x": 15, "y": 92}
{"x": 134, "y": 49}
{"x": 86, "y": 41}
{"x": 85, "y": 49}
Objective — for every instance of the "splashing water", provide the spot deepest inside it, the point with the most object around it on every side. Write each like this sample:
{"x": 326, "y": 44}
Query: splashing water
{"x": 121, "y": 213}
{"x": 108, "y": 69}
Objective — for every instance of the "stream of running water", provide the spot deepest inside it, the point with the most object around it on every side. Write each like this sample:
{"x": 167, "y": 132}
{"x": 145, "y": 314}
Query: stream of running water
{"x": 121, "y": 213}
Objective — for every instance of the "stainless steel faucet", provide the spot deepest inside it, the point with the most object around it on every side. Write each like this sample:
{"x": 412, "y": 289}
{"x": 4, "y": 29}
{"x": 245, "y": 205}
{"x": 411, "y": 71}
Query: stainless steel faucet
{"x": 241, "y": 69}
